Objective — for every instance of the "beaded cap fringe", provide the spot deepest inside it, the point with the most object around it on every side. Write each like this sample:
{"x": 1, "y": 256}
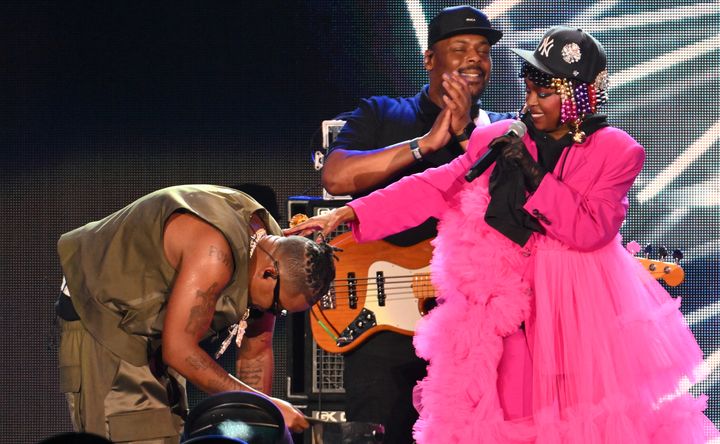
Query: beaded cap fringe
{"x": 578, "y": 98}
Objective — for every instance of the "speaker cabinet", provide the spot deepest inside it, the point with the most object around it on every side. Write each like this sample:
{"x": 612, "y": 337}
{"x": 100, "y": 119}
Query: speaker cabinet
{"x": 315, "y": 377}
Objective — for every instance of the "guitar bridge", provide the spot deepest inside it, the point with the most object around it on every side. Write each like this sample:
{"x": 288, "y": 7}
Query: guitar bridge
{"x": 364, "y": 321}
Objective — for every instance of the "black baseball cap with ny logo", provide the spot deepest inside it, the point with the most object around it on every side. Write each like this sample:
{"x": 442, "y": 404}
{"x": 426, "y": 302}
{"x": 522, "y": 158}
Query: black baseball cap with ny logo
{"x": 568, "y": 53}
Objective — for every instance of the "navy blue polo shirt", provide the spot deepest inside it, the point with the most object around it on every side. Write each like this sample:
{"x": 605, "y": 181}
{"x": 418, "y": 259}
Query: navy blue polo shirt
{"x": 381, "y": 121}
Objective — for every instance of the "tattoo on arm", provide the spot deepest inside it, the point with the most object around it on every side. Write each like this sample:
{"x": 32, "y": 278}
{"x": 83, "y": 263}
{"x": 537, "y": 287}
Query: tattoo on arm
{"x": 252, "y": 376}
{"x": 198, "y": 361}
{"x": 220, "y": 255}
{"x": 201, "y": 314}
{"x": 220, "y": 381}
{"x": 216, "y": 381}
{"x": 218, "y": 385}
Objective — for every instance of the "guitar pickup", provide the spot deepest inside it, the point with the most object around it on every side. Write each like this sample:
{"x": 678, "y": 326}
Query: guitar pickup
{"x": 352, "y": 290}
{"x": 364, "y": 321}
{"x": 380, "y": 283}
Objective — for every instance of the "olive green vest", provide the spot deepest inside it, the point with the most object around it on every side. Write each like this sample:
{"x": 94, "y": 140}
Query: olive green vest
{"x": 120, "y": 280}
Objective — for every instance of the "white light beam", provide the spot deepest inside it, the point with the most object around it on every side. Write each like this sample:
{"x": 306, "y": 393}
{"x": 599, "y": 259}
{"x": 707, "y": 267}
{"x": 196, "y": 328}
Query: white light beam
{"x": 665, "y": 61}
{"x": 417, "y": 17}
{"x": 680, "y": 164}
{"x": 498, "y": 8}
{"x": 703, "y": 314}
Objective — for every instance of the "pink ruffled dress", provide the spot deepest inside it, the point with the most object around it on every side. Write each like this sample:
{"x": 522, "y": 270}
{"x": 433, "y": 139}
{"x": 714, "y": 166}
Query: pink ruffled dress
{"x": 603, "y": 348}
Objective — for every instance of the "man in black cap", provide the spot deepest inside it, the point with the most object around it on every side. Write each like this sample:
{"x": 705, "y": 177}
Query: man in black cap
{"x": 385, "y": 139}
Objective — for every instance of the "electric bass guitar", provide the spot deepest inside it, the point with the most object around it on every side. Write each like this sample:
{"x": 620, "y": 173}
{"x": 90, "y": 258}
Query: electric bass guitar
{"x": 380, "y": 286}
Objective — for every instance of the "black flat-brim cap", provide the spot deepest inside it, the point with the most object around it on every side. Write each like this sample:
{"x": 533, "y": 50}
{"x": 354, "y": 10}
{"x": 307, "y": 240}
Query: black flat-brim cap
{"x": 568, "y": 53}
{"x": 461, "y": 20}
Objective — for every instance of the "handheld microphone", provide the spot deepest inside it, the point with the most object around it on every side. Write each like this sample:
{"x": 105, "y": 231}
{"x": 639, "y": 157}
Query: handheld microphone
{"x": 516, "y": 129}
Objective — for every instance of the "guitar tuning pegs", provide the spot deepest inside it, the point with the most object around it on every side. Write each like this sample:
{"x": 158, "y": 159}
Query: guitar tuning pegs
{"x": 648, "y": 250}
{"x": 677, "y": 255}
{"x": 662, "y": 252}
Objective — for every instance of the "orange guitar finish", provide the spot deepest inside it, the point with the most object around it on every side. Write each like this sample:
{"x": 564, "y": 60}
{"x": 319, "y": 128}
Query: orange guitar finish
{"x": 406, "y": 282}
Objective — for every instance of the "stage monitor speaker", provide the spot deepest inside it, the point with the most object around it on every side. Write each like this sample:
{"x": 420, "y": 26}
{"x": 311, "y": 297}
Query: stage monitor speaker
{"x": 315, "y": 375}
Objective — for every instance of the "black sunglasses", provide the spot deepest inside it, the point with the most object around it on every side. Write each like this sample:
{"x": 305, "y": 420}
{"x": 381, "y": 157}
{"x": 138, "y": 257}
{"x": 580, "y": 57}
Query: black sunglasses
{"x": 275, "y": 308}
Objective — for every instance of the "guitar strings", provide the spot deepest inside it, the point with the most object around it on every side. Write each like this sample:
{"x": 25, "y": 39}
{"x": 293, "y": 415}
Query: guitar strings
{"x": 397, "y": 285}
{"x": 394, "y": 298}
{"x": 387, "y": 285}
{"x": 404, "y": 276}
{"x": 395, "y": 289}
{"x": 409, "y": 279}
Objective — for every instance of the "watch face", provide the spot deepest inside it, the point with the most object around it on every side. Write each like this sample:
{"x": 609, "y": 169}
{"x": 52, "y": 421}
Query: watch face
{"x": 416, "y": 153}
{"x": 415, "y": 149}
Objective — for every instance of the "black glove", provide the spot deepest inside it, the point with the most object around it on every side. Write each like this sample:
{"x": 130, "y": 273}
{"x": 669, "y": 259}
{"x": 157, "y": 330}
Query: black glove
{"x": 515, "y": 151}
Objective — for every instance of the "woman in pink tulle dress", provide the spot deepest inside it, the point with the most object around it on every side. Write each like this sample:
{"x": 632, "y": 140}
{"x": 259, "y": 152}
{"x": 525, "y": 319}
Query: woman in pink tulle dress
{"x": 547, "y": 330}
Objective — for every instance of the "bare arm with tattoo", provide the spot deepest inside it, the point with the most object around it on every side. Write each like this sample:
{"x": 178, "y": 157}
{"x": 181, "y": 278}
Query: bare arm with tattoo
{"x": 203, "y": 260}
{"x": 254, "y": 364}
{"x": 200, "y": 255}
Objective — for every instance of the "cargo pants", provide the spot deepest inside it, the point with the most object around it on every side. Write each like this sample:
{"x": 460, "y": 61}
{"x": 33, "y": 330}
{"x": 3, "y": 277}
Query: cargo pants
{"x": 110, "y": 397}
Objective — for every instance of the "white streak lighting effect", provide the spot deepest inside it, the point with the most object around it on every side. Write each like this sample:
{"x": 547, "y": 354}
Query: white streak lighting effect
{"x": 417, "y": 16}
{"x": 681, "y": 163}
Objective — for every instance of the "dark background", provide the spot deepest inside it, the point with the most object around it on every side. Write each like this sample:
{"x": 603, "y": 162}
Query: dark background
{"x": 102, "y": 102}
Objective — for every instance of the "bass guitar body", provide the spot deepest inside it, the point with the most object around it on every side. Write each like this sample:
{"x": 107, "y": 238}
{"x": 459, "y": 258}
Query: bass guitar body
{"x": 378, "y": 286}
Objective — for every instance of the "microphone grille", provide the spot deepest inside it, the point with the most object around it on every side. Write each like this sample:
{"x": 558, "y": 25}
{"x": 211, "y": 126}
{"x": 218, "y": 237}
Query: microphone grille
{"x": 518, "y": 128}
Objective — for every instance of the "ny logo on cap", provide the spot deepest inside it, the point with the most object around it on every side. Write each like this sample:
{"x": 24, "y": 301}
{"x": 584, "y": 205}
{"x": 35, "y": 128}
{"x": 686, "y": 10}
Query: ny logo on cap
{"x": 546, "y": 46}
